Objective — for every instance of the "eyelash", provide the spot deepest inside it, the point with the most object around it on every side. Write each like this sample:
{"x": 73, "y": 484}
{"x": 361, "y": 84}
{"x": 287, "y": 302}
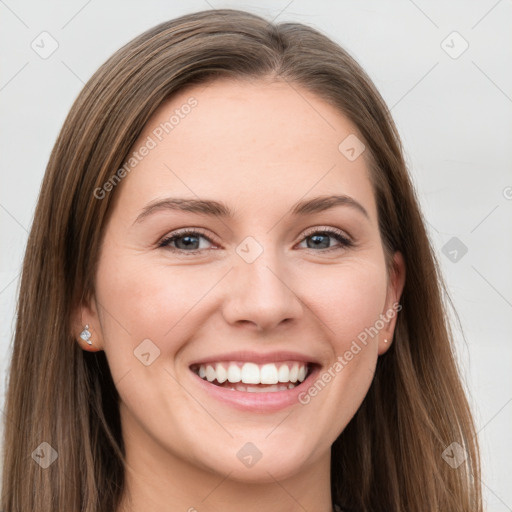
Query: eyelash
{"x": 344, "y": 242}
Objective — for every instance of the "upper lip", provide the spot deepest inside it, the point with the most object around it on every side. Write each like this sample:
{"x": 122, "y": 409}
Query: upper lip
{"x": 257, "y": 357}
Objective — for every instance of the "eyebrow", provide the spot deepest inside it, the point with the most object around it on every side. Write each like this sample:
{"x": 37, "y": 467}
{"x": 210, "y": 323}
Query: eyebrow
{"x": 217, "y": 209}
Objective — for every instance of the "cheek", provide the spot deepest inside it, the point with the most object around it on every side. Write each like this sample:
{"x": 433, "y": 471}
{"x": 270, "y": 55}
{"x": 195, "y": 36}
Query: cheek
{"x": 347, "y": 298}
{"x": 145, "y": 300}
{"x": 148, "y": 311}
{"x": 161, "y": 302}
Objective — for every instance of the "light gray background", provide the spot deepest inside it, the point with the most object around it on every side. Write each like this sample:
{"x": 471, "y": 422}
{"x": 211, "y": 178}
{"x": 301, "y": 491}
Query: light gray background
{"x": 454, "y": 116}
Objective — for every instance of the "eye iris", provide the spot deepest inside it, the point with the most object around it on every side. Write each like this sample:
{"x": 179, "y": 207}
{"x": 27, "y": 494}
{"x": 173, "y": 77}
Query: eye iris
{"x": 189, "y": 240}
{"x": 318, "y": 238}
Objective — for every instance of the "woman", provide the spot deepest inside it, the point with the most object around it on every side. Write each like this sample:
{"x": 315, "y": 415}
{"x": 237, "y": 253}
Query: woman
{"x": 229, "y": 300}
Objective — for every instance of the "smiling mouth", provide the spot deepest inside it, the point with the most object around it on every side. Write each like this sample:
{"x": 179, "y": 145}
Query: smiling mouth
{"x": 252, "y": 377}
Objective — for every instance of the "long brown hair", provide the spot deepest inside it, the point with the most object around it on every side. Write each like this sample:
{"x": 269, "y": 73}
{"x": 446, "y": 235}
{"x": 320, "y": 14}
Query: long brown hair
{"x": 389, "y": 457}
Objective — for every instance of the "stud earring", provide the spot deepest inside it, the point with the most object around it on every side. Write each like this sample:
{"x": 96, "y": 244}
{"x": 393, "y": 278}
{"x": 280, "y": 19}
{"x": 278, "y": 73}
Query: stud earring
{"x": 86, "y": 335}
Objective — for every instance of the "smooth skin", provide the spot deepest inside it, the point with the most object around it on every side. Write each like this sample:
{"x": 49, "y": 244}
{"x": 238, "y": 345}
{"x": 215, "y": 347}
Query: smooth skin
{"x": 259, "y": 147}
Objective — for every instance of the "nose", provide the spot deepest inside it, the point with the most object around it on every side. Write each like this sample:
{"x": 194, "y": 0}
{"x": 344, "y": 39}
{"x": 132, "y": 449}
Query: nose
{"x": 261, "y": 294}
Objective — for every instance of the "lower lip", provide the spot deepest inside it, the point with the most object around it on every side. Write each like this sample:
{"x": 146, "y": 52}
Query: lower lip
{"x": 257, "y": 402}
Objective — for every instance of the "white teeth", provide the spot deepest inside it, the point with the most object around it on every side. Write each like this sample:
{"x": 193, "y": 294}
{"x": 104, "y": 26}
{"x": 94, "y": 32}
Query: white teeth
{"x": 294, "y": 373}
{"x": 250, "y": 373}
{"x": 284, "y": 373}
{"x": 256, "y": 389}
{"x": 268, "y": 374}
{"x": 222, "y": 374}
{"x": 210, "y": 373}
{"x": 234, "y": 373}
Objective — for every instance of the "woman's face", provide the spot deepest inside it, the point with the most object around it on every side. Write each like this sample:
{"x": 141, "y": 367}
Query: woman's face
{"x": 220, "y": 259}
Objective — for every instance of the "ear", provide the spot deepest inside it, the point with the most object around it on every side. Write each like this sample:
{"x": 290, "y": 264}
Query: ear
{"x": 392, "y": 306}
{"x": 86, "y": 313}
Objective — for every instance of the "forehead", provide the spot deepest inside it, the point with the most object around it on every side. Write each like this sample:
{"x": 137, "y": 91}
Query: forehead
{"x": 242, "y": 141}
